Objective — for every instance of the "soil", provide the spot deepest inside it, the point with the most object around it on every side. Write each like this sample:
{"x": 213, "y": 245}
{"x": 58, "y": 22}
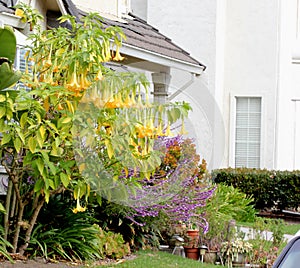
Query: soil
{"x": 42, "y": 263}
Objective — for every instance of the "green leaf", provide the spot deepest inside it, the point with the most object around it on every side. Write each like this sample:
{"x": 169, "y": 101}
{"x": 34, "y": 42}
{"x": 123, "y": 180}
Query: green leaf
{"x": 2, "y": 111}
{"x": 51, "y": 125}
{"x": 38, "y": 185}
{"x": 66, "y": 120}
{"x": 40, "y": 165}
{"x": 2, "y": 98}
{"x": 64, "y": 179}
{"x": 52, "y": 167}
{"x": 6, "y": 138}
{"x": 23, "y": 120}
{"x": 8, "y": 76}
{"x": 17, "y": 144}
{"x": 2, "y": 209}
{"x": 32, "y": 144}
{"x": 47, "y": 195}
{"x": 40, "y": 139}
{"x": 8, "y": 43}
{"x": 21, "y": 135}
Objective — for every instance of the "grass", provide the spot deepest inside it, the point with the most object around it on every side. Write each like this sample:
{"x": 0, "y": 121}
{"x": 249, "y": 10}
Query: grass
{"x": 158, "y": 259}
{"x": 289, "y": 228}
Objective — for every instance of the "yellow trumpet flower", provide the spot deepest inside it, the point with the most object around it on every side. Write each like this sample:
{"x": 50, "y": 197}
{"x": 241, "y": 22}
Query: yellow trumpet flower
{"x": 48, "y": 62}
{"x": 128, "y": 102}
{"x": 99, "y": 76}
{"x": 159, "y": 131}
{"x": 182, "y": 130}
{"x": 78, "y": 208}
{"x": 168, "y": 131}
{"x": 118, "y": 56}
{"x": 84, "y": 83}
{"x": 73, "y": 83}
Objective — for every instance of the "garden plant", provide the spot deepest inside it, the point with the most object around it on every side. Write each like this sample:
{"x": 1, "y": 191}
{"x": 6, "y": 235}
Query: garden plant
{"x": 79, "y": 134}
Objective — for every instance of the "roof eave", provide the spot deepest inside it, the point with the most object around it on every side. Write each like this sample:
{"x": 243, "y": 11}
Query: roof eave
{"x": 154, "y": 57}
{"x": 12, "y": 20}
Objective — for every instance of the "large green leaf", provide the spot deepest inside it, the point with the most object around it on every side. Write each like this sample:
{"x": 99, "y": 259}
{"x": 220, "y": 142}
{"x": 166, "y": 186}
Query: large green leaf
{"x": 7, "y": 76}
{"x": 8, "y": 43}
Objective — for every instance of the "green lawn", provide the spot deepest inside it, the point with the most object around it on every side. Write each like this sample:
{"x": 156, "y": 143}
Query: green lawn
{"x": 158, "y": 259}
{"x": 289, "y": 228}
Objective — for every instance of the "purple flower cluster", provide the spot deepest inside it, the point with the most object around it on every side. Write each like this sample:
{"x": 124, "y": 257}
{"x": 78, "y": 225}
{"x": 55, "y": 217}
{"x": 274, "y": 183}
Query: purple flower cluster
{"x": 177, "y": 195}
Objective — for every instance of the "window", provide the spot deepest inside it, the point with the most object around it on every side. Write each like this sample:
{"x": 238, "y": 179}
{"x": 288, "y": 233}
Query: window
{"x": 20, "y": 63}
{"x": 248, "y": 132}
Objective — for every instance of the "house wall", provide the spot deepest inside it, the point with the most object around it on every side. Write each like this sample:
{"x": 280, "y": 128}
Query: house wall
{"x": 247, "y": 48}
{"x": 112, "y": 7}
{"x": 193, "y": 26}
{"x": 251, "y": 68}
{"x": 288, "y": 140}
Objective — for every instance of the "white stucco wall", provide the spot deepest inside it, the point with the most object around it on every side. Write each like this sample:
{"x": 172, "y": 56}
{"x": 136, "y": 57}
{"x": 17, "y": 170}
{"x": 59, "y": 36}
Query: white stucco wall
{"x": 103, "y": 6}
{"x": 288, "y": 138}
{"x": 251, "y": 66}
{"x": 193, "y": 26}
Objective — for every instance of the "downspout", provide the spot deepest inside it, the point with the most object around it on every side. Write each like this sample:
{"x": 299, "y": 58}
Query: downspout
{"x": 184, "y": 87}
{"x": 61, "y": 7}
{"x": 295, "y": 132}
{"x": 275, "y": 153}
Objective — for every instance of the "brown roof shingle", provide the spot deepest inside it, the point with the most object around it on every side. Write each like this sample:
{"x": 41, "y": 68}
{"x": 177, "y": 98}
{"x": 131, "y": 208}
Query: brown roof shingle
{"x": 142, "y": 35}
{"x": 138, "y": 33}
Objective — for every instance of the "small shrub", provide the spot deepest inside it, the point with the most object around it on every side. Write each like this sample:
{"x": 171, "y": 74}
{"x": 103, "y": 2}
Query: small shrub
{"x": 266, "y": 248}
{"x": 111, "y": 244}
{"x": 226, "y": 204}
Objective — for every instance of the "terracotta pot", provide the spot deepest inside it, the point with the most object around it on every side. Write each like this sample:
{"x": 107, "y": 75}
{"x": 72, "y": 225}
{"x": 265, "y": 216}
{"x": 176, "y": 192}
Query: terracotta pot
{"x": 192, "y": 253}
{"x": 193, "y": 238}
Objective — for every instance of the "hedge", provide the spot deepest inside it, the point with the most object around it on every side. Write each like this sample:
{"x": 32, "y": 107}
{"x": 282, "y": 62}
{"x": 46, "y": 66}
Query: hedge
{"x": 270, "y": 189}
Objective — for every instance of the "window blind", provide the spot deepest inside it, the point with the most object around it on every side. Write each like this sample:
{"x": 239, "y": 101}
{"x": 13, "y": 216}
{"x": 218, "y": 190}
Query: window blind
{"x": 20, "y": 64}
{"x": 248, "y": 132}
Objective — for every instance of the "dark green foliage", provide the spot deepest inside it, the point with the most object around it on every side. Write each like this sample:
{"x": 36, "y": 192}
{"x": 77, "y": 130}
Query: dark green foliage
{"x": 269, "y": 188}
{"x": 62, "y": 234}
{"x": 114, "y": 217}
{"x": 4, "y": 245}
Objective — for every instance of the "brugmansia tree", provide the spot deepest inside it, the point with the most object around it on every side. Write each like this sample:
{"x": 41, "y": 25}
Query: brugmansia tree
{"x": 76, "y": 125}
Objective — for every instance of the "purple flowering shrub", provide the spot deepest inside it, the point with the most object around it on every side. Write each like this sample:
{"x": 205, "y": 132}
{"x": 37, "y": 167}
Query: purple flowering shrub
{"x": 176, "y": 190}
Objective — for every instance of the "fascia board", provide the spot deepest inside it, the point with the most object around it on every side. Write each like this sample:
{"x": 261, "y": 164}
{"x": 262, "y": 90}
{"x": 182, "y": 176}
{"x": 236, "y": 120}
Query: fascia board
{"x": 161, "y": 59}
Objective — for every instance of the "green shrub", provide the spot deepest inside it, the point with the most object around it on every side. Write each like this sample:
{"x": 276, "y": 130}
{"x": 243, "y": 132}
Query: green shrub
{"x": 269, "y": 188}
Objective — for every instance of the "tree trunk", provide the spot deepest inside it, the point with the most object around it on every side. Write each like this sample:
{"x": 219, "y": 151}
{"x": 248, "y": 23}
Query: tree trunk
{"x": 31, "y": 225}
{"x": 7, "y": 208}
{"x": 18, "y": 227}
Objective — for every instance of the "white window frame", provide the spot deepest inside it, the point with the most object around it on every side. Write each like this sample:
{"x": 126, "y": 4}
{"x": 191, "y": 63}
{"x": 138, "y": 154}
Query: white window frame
{"x": 232, "y": 127}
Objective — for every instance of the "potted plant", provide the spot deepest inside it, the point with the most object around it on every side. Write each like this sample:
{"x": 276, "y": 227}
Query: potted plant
{"x": 191, "y": 245}
{"x": 236, "y": 251}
